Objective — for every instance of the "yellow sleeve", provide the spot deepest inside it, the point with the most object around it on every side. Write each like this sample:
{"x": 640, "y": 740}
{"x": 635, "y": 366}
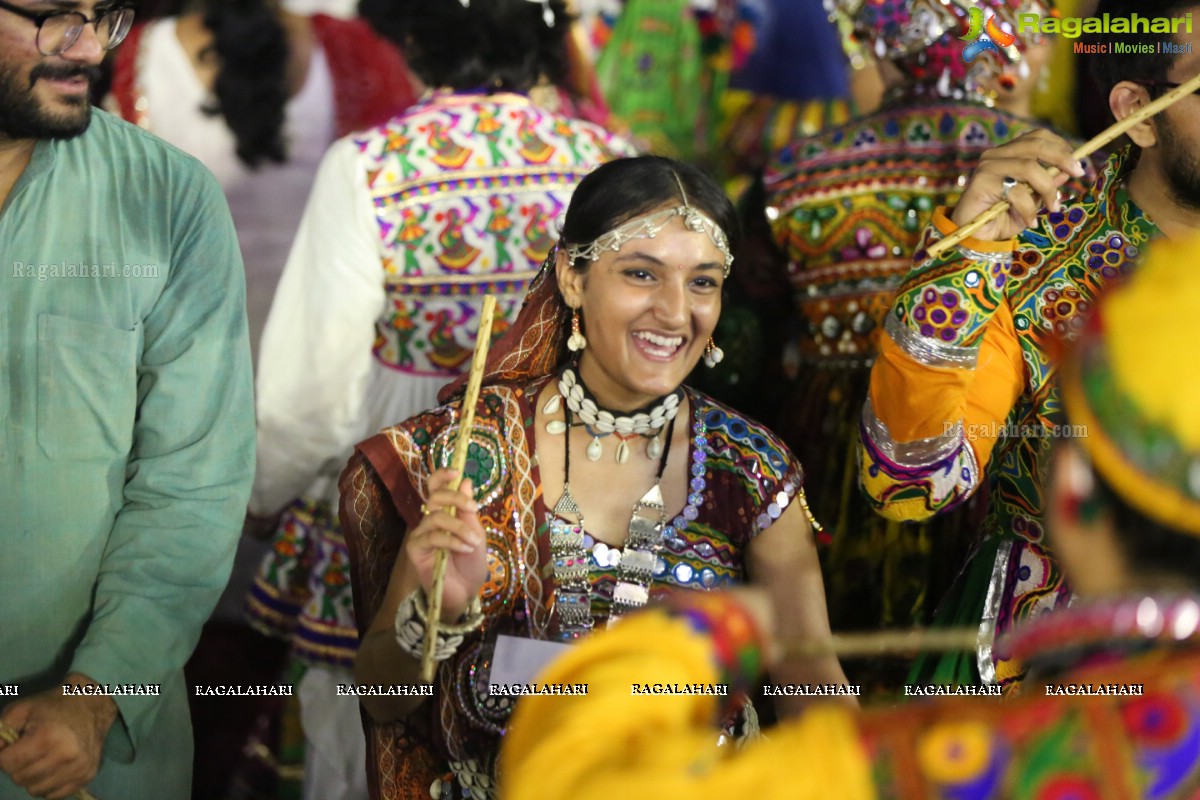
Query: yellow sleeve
{"x": 614, "y": 744}
{"x": 916, "y": 401}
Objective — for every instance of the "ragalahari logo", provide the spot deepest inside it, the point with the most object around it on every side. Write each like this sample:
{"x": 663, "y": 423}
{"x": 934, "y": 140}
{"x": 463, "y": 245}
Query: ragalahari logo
{"x": 984, "y": 37}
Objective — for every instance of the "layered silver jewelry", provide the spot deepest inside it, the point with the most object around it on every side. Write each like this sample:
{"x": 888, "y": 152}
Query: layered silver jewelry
{"x": 649, "y": 225}
{"x": 570, "y": 560}
{"x": 600, "y": 422}
{"x": 636, "y": 567}
{"x": 410, "y": 625}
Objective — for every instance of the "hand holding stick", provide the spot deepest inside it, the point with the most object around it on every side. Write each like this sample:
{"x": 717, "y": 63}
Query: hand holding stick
{"x": 1001, "y": 207}
{"x": 458, "y": 463}
{"x": 11, "y": 736}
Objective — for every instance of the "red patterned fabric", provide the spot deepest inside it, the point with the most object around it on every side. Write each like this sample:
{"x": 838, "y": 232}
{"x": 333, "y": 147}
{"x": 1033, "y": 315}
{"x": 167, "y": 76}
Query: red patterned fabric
{"x": 400, "y": 762}
{"x": 124, "y": 81}
{"x": 371, "y": 81}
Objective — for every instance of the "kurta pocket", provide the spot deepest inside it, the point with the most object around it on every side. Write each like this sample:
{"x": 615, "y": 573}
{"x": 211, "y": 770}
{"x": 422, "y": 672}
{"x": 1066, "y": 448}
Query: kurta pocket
{"x": 87, "y": 388}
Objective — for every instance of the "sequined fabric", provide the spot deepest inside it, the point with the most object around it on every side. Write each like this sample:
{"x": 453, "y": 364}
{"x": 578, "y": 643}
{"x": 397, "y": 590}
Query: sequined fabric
{"x": 1052, "y": 747}
{"x": 940, "y": 41}
{"x": 1047, "y": 283}
{"x": 1135, "y": 735}
{"x": 741, "y": 480}
{"x": 1127, "y": 728}
{"x": 847, "y": 207}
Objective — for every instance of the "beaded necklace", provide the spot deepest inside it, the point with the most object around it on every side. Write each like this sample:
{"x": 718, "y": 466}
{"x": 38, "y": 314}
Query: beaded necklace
{"x": 635, "y": 570}
{"x": 647, "y": 423}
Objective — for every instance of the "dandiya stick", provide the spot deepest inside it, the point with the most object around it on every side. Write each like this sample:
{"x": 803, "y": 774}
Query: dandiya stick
{"x": 457, "y": 463}
{"x": 1087, "y": 148}
{"x": 879, "y": 643}
{"x": 11, "y": 736}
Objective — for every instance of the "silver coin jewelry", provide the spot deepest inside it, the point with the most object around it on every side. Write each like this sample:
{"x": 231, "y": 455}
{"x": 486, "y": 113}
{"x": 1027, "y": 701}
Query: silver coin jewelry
{"x": 635, "y": 562}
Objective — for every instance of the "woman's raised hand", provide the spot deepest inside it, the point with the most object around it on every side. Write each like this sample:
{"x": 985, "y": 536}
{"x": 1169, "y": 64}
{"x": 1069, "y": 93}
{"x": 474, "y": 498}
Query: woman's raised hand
{"x": 460, "y": 534}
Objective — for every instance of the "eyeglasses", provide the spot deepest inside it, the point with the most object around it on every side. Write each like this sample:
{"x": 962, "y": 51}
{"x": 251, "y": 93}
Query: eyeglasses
{"x": 1160, "y": 85}
{"x": 58, "y": 30}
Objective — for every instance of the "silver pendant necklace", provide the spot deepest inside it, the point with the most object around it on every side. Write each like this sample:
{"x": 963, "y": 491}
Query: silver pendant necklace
{"x": 569, "y": 556}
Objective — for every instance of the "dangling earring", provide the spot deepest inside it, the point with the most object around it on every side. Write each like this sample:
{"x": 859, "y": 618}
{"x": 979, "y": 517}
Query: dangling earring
{"x": 576, "y": 341}
{"x": 712, "y": 354}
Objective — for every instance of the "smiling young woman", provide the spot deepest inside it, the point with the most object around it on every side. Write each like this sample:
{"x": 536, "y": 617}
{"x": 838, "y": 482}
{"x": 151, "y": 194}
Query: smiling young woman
{"x": 647, "y": 311}
{"x": 597, "y": 480}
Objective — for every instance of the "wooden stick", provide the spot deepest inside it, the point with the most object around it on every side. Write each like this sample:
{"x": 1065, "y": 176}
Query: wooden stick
{"x": 1109, "y": 134}
{"x": 11, "y": 736}
{"x": 879, "y": 643}
{"x": 458, "y": 463}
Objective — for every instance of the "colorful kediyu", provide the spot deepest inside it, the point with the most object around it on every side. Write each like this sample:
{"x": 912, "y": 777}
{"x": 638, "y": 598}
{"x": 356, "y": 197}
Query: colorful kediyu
{"x": 742, "y": 479}
{"x": 847, "y": 207}
{"x": 409, "y": 225}
{"x": 962, "y": 395}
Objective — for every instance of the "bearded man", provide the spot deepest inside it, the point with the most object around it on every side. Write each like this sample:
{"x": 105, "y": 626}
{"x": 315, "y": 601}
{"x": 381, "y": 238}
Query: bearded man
{"x": 126, "y": 419}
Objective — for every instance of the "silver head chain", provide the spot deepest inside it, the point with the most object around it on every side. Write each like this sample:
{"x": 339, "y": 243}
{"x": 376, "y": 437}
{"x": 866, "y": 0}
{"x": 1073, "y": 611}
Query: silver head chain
{"x": 649, "y": 225}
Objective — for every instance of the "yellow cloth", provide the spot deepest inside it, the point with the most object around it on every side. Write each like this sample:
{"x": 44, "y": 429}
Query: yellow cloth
{"x": 1148, "y": 335}
{"x": 611, "y": 744}
{"x": 1146, "y": 343}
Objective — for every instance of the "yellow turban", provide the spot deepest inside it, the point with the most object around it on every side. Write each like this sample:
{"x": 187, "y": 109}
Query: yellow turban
{"x": 1134, "y": 382}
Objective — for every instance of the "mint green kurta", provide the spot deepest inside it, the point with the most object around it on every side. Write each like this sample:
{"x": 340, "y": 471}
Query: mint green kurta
{"x": 126, "y": 432}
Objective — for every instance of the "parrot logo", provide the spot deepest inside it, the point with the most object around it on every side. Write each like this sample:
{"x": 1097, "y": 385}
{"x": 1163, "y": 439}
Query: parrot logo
{"x": 984, "y": 37}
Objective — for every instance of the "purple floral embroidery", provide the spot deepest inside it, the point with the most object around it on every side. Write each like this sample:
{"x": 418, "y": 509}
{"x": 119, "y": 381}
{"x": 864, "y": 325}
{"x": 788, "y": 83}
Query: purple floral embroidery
{"x": 940, "y": 314}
